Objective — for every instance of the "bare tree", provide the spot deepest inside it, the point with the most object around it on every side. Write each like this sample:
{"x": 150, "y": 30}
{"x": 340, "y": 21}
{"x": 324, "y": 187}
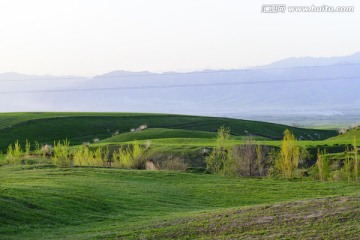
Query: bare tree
{"x": 250, "y": 158}
{"x": 245, "y": 158}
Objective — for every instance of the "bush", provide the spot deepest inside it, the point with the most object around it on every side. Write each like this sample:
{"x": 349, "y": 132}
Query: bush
{"x": 220, "y": 160}
{"x": 61, "y": 153}
{"x": 174, "y": 163}
{"x": 130, "y": 157}
{"x": 14, "y": 154}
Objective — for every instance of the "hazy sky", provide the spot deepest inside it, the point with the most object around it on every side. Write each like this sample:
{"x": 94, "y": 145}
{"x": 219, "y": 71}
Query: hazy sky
{"x": 87, "y": 37}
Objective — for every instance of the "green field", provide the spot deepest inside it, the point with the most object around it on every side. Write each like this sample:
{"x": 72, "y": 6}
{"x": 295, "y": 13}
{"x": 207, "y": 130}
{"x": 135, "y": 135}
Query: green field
{"x": 42, "y": 202}
{"x": 320, "y": 218}
{"x": 160, "y": 133}
{"x": 84, "y": 127}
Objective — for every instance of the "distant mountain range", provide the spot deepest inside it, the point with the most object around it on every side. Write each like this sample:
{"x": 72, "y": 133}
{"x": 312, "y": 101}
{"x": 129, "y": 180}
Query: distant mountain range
{"x": 291, "y": 87}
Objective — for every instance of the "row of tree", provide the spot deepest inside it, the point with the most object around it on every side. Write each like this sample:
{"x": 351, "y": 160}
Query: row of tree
{"x": 252, "y": 159}
{"x": 249, "y": 159}
{"x": 61, "y": 154}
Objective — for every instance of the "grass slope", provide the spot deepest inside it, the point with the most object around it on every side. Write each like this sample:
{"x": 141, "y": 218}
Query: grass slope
{"x": 41, "y": 202}
{"x": 348, "y": 136}
{"x": 11, "y": 119}
{"x": 325, "y": 218}
{"x": 80, "y": 127}
{"x": 157, "y": 133}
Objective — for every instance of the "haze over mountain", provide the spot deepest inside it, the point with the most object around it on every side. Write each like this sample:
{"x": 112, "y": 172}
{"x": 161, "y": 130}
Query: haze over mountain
{"x": 314, "y": 61}
{"x": 295, "y": 86}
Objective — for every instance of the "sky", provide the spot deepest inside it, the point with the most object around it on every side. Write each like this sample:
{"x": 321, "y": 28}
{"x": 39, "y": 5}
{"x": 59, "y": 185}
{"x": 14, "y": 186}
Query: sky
{"x": 88, "y": 37}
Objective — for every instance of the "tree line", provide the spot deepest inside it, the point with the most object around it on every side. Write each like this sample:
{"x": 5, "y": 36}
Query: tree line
{"x": 62, "y": 155}
{"x": 252, "y": 159}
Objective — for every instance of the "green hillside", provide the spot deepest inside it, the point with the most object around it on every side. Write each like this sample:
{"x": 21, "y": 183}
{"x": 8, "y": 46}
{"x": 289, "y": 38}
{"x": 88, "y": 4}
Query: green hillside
{"x": 349, "y": 135}
{"x": 338, "y": 219}
{"x": 84, "y": 127}
{"x": 156, "y": 133}
{"x": 42, "y": 202}
{"x": 11, "y": 119}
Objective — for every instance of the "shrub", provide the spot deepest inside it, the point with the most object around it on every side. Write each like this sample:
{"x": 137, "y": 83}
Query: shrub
{"x": 78, "y": 158}
{"x": 131, "y": 156}
{"x": 17, "y": 151}
{"x": 174, "y": 163}
{"x": 220, "y": 160}
{"x": 14, "y": 154}
{"x": 61, "y": 153}
{"x": 10, "y": 158}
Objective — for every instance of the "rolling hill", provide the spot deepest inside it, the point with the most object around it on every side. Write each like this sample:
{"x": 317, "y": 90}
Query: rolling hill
{"x": 85, "y": 127}
{"x": 159, "y": 133}
{"x": 338, "y": 218}
{"x": 349, "y": 135}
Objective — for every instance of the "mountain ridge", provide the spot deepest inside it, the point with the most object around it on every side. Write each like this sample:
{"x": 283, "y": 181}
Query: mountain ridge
{"x": 328, "y": 88}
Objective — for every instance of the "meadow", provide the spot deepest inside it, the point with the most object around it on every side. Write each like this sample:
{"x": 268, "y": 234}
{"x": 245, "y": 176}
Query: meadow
{"x": 42, "y": 201}
{"x": 85, "y": 127}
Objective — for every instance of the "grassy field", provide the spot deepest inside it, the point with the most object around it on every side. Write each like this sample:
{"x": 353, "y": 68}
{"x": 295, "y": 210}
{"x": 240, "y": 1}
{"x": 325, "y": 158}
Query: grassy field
{"x": 320, "y": 218}
{"x": 84, "y": 127}
{"x": 160, "y": 133}
{"x": 42, "y": 202}
{"x": 12, "y": 119}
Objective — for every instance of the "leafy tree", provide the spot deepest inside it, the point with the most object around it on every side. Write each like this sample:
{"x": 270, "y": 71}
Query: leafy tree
{"x": 98, "y": 160}
{"x": 125, "y": 157}
{"x": 138, "y": 156}
{"x": 82, "y": 157}
{"x": 288, "y": 161}
{"x": 17, "y": 151}
{"x": 14, "y": 154}
{"x": 220, "y": 160}
{"x": 61, "y": 153}
{"x": 10, "y": 158}
{"x": 78, "y": 157}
